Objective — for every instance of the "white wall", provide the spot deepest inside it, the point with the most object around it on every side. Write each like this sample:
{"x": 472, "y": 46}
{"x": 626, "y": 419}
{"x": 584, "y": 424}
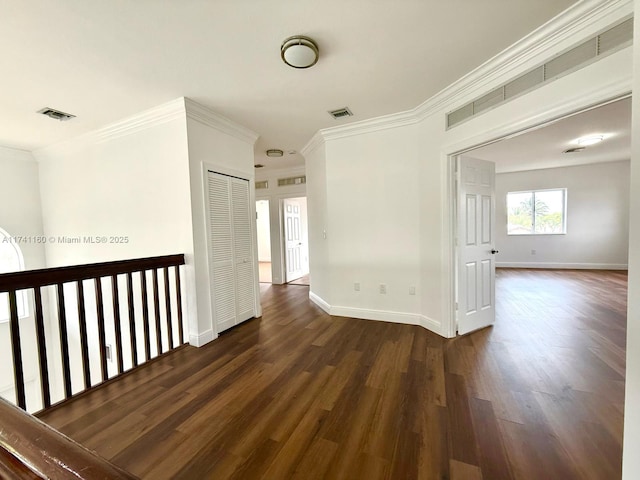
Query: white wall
{"x": 128, "y": 181}
{"x": 386, "y": 182}
{"x": 20, "y": 215}
{"x": 372, "y": 224}
{"x": 631, "y": 446}
{"x": 319, "y": 267}
{"x": 134, "y": 186}
{"x": 597, "y": 218}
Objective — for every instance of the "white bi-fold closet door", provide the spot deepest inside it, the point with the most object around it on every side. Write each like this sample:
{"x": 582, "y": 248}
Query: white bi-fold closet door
{"x": 230, "y": 242}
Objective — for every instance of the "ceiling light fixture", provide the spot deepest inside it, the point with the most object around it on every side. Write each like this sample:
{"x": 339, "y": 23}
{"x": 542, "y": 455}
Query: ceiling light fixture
{"x": 590, "y": 140}
{"x": 299, "y": 52}
{"x": 258, "y": 165}
{"x": 274, "y": 152}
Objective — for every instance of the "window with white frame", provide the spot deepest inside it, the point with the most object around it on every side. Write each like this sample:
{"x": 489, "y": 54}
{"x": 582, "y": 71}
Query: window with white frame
{"x": 537, "y": 212}
{"x": 11, "y": 260}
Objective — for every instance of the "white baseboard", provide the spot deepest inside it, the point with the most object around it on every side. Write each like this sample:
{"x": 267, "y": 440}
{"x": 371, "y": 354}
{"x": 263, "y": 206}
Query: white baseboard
{"x": 555, "y": 265}
{"x": 320, "y": 302}
{"x": 431, "y": 325}
{"x": 381, "y": 315}
{"x": 378, "y": 315}
{"x": 201, "y": 339}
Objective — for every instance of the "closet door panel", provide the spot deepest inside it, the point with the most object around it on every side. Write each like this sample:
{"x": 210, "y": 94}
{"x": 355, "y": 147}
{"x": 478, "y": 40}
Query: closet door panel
{"x": 222, "y": 245}
{"x": 242, "y": 246}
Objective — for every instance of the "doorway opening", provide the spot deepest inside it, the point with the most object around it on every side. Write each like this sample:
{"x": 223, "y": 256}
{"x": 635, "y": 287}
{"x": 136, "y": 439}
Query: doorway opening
{"x": 296, "y": 240}
{"x": 263, "y": 230}
{"x": 540, "y": 160}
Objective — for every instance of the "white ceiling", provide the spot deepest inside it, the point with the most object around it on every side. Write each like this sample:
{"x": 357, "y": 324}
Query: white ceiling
{"x": 544, "y": 147}
{"x": 104, "y": 60}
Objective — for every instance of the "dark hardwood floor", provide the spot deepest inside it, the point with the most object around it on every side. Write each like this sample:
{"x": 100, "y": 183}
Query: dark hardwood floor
{"x": 299, "y": 394}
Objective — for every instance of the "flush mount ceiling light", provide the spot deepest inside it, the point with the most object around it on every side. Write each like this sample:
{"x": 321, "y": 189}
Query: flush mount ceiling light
{"x": 299, "y": 52}
{"x": 590, "y": 140}
{"x": 274, "y": 152}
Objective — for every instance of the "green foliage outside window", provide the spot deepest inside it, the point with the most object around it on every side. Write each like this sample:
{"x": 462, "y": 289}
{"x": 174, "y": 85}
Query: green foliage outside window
{"x": 536, "y": 212}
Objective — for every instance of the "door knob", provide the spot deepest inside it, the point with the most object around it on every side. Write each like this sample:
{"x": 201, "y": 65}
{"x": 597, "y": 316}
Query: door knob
{"x": 494, "y": 251}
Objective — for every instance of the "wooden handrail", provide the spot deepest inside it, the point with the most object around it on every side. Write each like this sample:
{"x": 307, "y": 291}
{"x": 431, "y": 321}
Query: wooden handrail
{"x": 30, "y": 449}
{"x": 54, "y": 276}
{"x": 76, "y": 276}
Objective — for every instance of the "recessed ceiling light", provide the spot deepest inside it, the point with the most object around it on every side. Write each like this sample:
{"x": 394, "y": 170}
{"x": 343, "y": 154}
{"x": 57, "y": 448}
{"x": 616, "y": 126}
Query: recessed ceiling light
{"x": 292, "y": 152}
{"x": 274, "y": 152}
{"x": 590, "y": 140}
{"x": 299, "y": 52}
{"x": 258, "y": 165}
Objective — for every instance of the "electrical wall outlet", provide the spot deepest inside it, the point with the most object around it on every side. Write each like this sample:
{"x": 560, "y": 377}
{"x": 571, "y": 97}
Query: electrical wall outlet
{"x": 383, "y": 288}
{"x": 356, "y": 286}
{"x": 533, "y": 252}
{"x": 412, "y": 290}
{"x": 108, "y": 350}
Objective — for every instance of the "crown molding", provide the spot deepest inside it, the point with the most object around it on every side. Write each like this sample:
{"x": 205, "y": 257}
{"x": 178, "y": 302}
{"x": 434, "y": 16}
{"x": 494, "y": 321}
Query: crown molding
{"x": 175, "y": 109}
{"x": 15, "y": 154}
{"x": 208, "y": 117}
{"x": 376, "y": 124}
{"x": 141, "y": 121}
{"x": 316, "y": 141}
{"x": 577, "y": 22}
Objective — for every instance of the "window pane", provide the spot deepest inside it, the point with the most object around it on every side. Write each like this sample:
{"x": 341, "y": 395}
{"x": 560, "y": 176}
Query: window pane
{"x": 520, "y": 213}
{"x": 549, "y": 210}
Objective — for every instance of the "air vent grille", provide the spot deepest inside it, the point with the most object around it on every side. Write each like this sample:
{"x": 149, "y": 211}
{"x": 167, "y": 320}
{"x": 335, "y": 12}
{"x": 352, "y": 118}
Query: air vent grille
{"x": 56, "y": 114}
{"x": 571, "y": 59}
{"x": 524, "y": 83}
{"x": 262, "y": 184}
{"x": 341, "y": 112}
{"x": 489, "y": 100}
{"x": 606, "y": 43}
{"x": 460, "y": 114}
{"x": 283, "y": 182}
{"x": 617, "y": 37}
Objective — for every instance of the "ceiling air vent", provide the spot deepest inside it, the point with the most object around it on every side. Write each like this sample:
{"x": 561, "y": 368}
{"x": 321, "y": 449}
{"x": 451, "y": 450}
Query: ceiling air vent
{"x": 262, "y": 184}
{"x": 283, "y": 182}
{"x": 609, "y": 41}
{"x": 56, "y": 114}
{"x": 341, "y": 112}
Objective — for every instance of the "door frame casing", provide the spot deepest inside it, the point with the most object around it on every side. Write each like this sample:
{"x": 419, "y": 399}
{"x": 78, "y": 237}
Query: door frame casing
{"x": 450, "y": 152}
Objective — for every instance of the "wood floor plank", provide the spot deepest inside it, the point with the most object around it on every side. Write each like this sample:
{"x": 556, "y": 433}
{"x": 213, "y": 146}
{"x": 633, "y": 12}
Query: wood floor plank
{"x": 464, "y": 471}
{"x": 300, "y": 394}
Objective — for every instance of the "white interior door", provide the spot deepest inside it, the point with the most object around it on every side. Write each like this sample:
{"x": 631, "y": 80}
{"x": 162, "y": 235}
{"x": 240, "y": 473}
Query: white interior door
{"x": 222, "y": 269}
{"x": 242, "y": 251}
{"x": 293, "y": 240}
{"x": 230, "y": 236}
{"x": 476, "y": 244}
